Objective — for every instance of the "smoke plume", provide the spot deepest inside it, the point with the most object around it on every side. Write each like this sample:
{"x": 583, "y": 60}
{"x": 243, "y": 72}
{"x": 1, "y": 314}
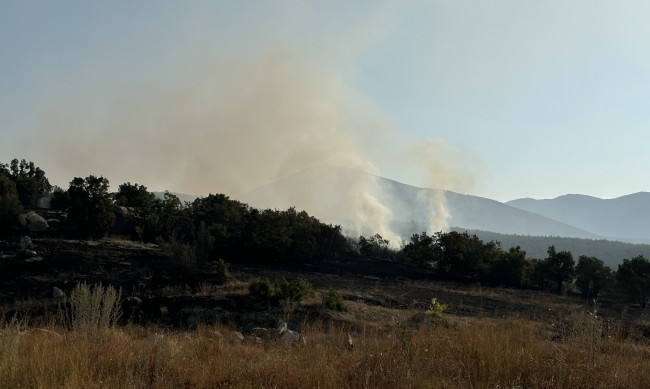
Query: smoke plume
{"x": 244, "y": 123}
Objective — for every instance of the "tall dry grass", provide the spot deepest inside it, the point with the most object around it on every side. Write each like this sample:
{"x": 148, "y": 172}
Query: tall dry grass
{"x": 577, "y": 351}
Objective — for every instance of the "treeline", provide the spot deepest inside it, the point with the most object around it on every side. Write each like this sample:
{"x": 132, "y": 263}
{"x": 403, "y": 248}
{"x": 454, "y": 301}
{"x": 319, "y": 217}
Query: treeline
{"x": 211, "y": 227}
{"x": 217, "y": 228}
{"x": 461, "y": 256}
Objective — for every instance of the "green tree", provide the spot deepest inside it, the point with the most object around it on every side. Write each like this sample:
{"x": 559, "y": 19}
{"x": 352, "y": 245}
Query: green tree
{"x": 535, "y": 274}
{"x": 461, "y": 255}
{"x": 91, "y": 205}
{"x": 375, "y": 246}
{"x": 134, "y": 196}
{"x": 60, "y": 199}
{"x": 421, "y": 249}
{"x": 10, "y": 206}
{"x": 592, "y": 276}
{"x": 31, "y": 183}
{"x": 140, "y": 203}
{"x": 633, "y": 279}
{"x": 559, "y": 267}
{"x": 509, "y": 267}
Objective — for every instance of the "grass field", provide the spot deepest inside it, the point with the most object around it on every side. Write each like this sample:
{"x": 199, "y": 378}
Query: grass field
{"x": 577, "y": 351}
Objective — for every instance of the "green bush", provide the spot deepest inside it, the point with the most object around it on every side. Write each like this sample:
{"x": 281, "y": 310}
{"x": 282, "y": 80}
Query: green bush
{"x": 262, "y": 288}
{"x": 333, "y": 299}
{"x": 276, "y": 290}
{"x": 294, "y": 290}
{"x": 436, "y": 308}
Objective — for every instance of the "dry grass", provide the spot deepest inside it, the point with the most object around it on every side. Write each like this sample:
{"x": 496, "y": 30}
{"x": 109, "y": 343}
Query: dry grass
{"x": 577, "y": 351}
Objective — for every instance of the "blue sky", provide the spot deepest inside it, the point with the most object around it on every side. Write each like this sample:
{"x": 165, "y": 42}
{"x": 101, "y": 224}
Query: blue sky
{"x": 501, "y": 99}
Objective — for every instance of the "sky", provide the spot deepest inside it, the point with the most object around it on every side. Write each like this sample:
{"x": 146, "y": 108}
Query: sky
{"x": 500, "y": 99}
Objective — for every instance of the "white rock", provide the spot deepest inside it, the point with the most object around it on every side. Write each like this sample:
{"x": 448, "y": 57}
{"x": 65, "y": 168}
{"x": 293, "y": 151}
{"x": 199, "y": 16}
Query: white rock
{"x": 58, "y": 293}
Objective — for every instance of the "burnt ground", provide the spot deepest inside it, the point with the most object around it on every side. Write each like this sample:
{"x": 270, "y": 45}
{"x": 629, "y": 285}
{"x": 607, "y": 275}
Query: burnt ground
{"x": 378, "y": 293}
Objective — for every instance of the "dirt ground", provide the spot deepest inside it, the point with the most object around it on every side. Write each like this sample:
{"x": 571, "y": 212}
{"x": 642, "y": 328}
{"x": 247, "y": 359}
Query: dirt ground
{"x": 377, "y": 293}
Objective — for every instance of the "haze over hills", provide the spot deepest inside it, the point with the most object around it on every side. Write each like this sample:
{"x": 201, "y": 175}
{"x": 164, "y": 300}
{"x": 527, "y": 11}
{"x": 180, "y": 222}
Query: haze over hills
{"x": 363, "y": 203}
{"x": 625, "y": 218}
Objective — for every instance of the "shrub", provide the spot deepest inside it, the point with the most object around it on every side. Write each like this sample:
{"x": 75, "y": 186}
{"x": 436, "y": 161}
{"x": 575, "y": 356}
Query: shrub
{"x": 333, "y": 299}
{"x": 221, "y": 268}
{"x": 262, "y": 288}
{"x": 294, "y": 290}
{"x": 280, "y": 290}
{"x": 436, "y": 308}
{"x": 94, "y": 307}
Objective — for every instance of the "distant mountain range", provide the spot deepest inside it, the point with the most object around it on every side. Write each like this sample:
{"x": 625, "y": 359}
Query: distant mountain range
{"x": 625, "y": 218}
{"x": 341, "y": 195}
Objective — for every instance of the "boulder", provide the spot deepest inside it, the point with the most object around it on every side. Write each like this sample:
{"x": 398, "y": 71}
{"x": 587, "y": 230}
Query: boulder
{"x": 290, "y": 336}
{"x": 26, "y": 242}
{"x": 58, "y": 293}
{"x": 35, "y": 222}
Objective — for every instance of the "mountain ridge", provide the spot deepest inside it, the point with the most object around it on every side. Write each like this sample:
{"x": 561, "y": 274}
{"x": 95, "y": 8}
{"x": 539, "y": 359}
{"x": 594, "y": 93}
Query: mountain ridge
{"x": 408, "y": 209}
{"x": 625, "y": 218}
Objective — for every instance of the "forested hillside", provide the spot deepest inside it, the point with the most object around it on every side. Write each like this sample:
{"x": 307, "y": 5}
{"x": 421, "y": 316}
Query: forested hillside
{"x": 611, "y": 252}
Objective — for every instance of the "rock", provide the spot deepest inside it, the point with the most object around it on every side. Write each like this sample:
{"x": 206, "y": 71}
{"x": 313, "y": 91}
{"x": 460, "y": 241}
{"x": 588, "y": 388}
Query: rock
{"x": 58, "y": 293}
{"x": 254, "y": 339}
{"x": 132, "y": 300}
{"x": 54, "y": 223}
{"x": 36, "y": 222}
{"x": 236, "y": 337}
{"x": 282, "y": 326}
{"x": 260, "y": 331}
{"x": 290, "y": 336}
{"x": 28, "y": 253}
{"x": 21, "y": 222}
{"x": 26, "y": 242}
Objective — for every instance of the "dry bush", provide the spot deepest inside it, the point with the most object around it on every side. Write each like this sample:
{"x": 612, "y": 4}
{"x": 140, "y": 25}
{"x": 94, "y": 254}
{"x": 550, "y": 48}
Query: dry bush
{"x": 94, "y": 308}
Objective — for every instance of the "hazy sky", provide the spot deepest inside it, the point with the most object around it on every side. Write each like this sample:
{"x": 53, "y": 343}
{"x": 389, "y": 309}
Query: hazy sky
{"x": 501, "y": 99}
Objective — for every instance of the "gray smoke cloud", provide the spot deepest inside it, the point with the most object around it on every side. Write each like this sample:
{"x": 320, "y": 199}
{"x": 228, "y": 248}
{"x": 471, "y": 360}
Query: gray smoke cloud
{"x": 236, "y": 121}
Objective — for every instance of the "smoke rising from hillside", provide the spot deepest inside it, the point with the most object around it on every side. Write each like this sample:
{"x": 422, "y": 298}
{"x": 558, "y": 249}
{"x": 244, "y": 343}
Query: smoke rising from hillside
{"x": 234, "y": 123}
{"x": 241, "y": 126}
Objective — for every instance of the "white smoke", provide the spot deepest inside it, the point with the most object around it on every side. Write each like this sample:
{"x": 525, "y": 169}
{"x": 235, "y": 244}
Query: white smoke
{"x": 239, "y": 120}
